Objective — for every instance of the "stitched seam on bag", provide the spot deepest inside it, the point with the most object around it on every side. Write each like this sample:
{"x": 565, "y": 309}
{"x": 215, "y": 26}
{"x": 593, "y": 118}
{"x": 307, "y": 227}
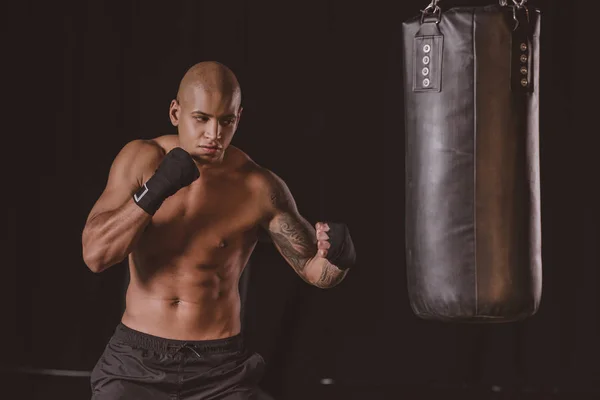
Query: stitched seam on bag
{"x": 474, "y": 49}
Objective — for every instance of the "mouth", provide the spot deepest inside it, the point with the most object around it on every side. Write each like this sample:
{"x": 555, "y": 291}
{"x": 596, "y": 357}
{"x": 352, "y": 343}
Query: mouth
{"x": 210, "y": 148}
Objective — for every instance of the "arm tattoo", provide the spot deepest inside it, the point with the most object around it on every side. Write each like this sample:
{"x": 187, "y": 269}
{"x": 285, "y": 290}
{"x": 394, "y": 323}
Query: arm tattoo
{"x": 291, "y": 234}
{"x": 330, "y": 276}
{"x": 294, "y": 241}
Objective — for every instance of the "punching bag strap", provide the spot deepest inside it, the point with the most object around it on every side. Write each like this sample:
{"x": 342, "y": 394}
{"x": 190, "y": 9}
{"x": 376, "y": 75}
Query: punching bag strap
{"x": 521, "y": 57}
{"x": 427, "y": 51}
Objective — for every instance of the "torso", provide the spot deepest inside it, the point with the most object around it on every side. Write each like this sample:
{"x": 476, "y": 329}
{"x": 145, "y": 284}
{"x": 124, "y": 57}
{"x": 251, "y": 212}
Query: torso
{"x": 186, "y": 265}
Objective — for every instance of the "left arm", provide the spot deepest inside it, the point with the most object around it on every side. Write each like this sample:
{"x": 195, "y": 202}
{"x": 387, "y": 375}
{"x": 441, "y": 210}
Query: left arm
{"x": 297, "y": 240}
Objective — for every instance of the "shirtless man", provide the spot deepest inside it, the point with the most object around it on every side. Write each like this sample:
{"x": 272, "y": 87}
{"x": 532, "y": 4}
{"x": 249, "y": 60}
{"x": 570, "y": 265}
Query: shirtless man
{"x": 186, "y": 210}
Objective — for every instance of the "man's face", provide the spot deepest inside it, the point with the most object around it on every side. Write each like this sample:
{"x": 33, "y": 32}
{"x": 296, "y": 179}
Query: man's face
{"x": 206, "y": 122}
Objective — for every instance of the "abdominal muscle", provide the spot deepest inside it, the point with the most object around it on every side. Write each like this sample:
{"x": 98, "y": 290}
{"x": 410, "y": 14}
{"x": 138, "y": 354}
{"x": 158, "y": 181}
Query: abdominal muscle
{"x": 186, "y": 266}
{"x": 185, "y": 301}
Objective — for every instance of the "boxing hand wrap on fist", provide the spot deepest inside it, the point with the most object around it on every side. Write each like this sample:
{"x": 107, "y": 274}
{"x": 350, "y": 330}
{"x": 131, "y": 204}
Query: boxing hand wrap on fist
{"x": 175, "y": 171}
{"x": 335, "y": 244}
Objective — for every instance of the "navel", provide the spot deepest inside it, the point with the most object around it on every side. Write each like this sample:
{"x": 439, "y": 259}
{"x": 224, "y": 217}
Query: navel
{"x": 175, "y": 301}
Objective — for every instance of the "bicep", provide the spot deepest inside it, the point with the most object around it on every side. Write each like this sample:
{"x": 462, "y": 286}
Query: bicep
{"x": 126, "y": 175}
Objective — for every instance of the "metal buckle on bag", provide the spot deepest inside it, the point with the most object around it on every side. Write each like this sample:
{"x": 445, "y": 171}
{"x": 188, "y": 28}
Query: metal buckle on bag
{"x": 432, "y": 9}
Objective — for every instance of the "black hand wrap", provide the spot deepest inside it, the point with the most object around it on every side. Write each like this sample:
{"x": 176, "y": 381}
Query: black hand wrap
{"x": 175, "y": 171}
{"x": 341, "y": 253}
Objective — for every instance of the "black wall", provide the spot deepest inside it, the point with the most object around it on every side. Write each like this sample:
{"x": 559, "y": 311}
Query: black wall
{"x": 322, "y": 89}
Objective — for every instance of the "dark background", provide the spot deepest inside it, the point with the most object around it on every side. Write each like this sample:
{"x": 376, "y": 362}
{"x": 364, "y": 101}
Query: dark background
{"x": 322, "y": 87}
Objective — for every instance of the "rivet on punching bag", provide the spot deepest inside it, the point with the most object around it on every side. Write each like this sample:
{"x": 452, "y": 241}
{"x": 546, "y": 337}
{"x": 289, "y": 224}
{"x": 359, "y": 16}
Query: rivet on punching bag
{"x": 473, "y": 227}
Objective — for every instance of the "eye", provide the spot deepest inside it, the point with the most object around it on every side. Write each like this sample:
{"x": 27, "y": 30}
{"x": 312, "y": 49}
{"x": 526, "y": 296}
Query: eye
{"x": 228, "y": 121}
{"x": 201, "y": 118}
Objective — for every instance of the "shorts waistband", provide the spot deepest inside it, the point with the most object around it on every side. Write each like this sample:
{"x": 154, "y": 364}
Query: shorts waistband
{"x": 150, "y": 342}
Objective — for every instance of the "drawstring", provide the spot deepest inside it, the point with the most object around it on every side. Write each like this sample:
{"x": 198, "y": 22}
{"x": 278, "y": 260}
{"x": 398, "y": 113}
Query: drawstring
{"x": 187, "y": 346}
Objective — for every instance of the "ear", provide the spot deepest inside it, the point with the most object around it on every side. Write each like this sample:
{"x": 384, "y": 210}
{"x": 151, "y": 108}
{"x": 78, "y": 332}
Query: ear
{"x": 174, "y": 110}
{"x": 239, "y": 116}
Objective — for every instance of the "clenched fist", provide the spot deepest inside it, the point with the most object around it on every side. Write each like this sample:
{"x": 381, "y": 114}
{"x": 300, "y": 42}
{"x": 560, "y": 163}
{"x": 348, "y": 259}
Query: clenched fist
{"x": 335, "y": 244}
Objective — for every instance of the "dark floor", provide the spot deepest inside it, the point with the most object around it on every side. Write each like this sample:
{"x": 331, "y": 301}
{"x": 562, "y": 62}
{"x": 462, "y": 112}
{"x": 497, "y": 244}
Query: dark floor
{"x": 37, "y": 387}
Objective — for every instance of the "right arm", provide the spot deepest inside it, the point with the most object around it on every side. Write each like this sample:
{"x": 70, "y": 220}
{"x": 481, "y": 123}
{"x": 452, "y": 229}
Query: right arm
{"x": 116, "y": 222}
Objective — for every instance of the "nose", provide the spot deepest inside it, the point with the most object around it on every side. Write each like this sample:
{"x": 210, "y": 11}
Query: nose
{"x": 212, "y": 130}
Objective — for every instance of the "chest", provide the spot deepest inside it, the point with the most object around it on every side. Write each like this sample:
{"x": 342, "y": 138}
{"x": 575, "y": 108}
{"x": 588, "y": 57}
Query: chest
{"x": 214, "y": 211}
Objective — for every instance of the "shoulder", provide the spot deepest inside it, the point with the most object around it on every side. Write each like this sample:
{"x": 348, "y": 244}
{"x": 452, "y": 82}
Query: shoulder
{"x": 266, "y": 184}
{"x": 272, "y": 188}
{"x": 138, "y": 158}
{"x": 238, "y": 159}
{"x": 158, "y": 146}
{"x": 142, "y": 147}
{"x": 166, "y": 142}
{"x": 140, "y": 151}
{"x": 239, "y": 162}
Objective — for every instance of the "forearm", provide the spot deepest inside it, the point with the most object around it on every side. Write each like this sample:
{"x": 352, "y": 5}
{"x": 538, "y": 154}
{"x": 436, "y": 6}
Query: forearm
{"x": 296, "y": 241}
{"x": 108, "y": 237}
{"x": 299, "y": 243}
{"x": 323, "y": 274}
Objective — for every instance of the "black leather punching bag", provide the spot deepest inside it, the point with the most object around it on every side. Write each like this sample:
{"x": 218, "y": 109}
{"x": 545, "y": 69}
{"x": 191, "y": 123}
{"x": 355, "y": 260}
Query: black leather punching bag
{"x": 473, "y": 229}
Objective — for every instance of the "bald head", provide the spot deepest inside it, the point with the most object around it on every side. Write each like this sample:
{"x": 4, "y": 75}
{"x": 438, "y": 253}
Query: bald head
{"x": 210, "y": 76}
{"x": 207, "y": 110}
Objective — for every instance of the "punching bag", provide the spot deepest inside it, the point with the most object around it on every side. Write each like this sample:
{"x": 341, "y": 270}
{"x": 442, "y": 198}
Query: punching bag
{"x": 473, "y": 229}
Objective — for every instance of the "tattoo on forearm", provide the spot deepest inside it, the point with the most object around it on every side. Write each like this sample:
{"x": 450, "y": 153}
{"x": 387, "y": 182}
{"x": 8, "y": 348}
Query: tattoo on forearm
{"x": 294, "y": 242}
{"x": 330, "y": 276}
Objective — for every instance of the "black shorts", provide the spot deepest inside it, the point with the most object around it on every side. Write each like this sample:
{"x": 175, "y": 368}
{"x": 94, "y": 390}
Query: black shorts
{"x": 135, "y": 365}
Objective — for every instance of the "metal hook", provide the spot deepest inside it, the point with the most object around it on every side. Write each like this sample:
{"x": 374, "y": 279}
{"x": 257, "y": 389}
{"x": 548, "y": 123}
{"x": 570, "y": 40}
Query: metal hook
{"x": 432, "y": 8}
{"x": 433, "y": 5}
{"x": 518, "y": 4}
{"x": 514, "y": 10}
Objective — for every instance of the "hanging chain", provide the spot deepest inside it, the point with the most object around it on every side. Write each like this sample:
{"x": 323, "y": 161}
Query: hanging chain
{"x": 432, "y": 9}
{"x": 433, "y": 6}
{"x": 518, "y": 4}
